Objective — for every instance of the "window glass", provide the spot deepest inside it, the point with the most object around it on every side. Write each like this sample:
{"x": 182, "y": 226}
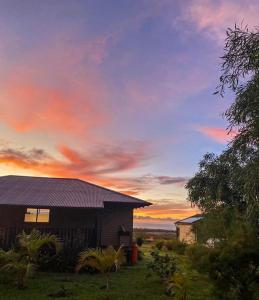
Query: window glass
{"x": 31, "y": 215}
{"x": 37, "y": 215}
{"x": 43, "y": 215}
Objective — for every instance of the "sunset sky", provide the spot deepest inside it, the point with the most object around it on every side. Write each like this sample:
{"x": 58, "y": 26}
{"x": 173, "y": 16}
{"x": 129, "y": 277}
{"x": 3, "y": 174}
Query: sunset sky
{"x": 115, "y": 92}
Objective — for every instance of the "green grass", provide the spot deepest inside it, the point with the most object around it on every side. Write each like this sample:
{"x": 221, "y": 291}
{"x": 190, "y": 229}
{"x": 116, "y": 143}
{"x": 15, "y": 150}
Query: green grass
{"x": 130, "y": 283}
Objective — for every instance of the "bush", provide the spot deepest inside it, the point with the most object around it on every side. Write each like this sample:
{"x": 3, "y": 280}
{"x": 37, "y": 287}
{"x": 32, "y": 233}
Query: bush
{"x": 139, "y": 241}
{"x": 140, "y": 255}
{"x": 159, "y": 244}
{"x": 176, "y": 286}
{"x": 163, "y": 265}
{"x": 176, "y": 246}
{"x": 232, "y": 265}
{"x": 199, "y": 256}
{"x": 234, "y": 269}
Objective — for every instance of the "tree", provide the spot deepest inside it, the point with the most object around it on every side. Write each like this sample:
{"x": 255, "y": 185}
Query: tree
{"x": 232, "y": 178}
{"x": 226, "y": 187}
{"x": 103, "y": 260}
{"x": 240, "y": 73}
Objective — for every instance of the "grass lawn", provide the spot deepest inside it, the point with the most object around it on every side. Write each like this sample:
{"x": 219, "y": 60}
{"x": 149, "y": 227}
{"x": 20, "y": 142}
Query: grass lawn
{"x": 130, "y": 283}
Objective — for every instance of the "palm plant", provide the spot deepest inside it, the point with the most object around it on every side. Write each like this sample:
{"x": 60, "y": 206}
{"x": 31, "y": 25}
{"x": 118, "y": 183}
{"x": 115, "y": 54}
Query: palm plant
{"x": 18, "y": 267}
{"x": 103, "y": 260}
{"x": 31, "y": 245}
{"x": 21, "y": 262}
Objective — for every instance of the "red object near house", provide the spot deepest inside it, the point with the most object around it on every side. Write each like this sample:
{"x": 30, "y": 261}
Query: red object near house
{"x": 134, "y": 254}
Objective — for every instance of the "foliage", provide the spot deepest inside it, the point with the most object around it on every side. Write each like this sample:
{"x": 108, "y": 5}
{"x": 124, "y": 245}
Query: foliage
{"x": 139, "y": 241}
{"x": 177, "y": 286}
{"x": 103, "y": 260}
{"x": 199, "y": 256}
{"x": 232, "y": 264}
{"x": 176, "y": 246}
{"x": 216, "y": 185}
{"x": 140, "y": 255}
{"x": 159, "y": 244}
{"x": 232, "y": 178}
{"x": 226, "y": 187}
{"x": 38, "y": 246}
{"x": 20, "y": 263}
{"x": 163, "y": 265}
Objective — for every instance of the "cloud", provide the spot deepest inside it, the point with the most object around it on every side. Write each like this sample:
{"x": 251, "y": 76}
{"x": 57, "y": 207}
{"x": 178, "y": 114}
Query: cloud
{"x": 214, "y": 17}
{"x": 31, "y": 107}
{"x": 218, "y": 134}
{"x": 93, "y": 164}
{"x": 64, "y": 94}
{"x": 106, "y": 165}
{"x": 172, "y": 180}
{"x": 163, "y": 215}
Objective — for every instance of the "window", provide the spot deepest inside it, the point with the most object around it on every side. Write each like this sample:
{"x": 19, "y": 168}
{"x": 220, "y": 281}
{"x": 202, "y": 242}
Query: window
{"x": 36, "y": 215}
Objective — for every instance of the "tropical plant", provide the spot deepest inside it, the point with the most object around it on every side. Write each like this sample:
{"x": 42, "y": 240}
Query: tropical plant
{"x": 17, "y": 267}
{"x": 36, "y": 245}
{"x": 103, "y": 260}
{"x": 21, "y": 262}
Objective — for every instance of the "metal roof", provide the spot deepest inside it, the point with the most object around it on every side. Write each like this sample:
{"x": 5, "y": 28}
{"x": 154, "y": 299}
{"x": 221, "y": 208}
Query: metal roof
{"x": 59, "y": 192}
{"x": 190, "y": 220}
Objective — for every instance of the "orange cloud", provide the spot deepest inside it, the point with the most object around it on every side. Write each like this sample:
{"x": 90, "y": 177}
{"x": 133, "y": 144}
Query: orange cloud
{"x": 27, "y": 107}
{"x": 57, "y": 88}
{"x": 100, "y": 164}
{"x": 177, "y": 210}
{"x": 96, "y": 165}
{"x": 102, "y": 167}
{"x": 220, "y": 135}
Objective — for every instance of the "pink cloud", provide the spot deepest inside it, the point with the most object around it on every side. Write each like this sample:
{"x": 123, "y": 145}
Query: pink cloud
{"x": 214, "y": 17}
{"x": 57, "y": 95}
{"x": 219, "y": 135}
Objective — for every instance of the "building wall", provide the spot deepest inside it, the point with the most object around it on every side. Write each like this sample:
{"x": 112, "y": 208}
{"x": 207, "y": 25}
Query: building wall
{"x": 13, "y": 216}
{"x": 108, "y": 220}
{"x": 114, "y": 216}
{"x": 185, "y": 233}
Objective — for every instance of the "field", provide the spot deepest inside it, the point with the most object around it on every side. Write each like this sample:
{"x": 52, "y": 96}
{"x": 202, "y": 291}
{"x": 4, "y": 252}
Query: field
{"x": 130, "y": 283}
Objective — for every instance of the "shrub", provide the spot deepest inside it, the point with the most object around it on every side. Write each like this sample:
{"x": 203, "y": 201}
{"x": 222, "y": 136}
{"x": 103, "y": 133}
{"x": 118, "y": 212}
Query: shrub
{"x": 177, "y": 286}
{"x": 163, "y": 265}
{"x": 159, "y": 244}
{"x": 232, "y": 265}
{"x": 199, "y": 256}
{"x": 139, "y": 241}
{"x": 140, "y": 255}
{"x": 234, "y": 269}
{"x": 176, "y": 246}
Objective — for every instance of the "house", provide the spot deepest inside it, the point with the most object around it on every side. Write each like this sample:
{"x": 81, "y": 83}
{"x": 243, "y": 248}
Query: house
{"x": 185, "y": 230}
{"x": 82, "y": 214}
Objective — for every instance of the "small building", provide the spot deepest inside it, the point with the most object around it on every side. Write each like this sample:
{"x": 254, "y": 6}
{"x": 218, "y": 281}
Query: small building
{"x": 80, "y": 213}
{"x": 185, "y": 230}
